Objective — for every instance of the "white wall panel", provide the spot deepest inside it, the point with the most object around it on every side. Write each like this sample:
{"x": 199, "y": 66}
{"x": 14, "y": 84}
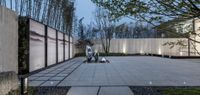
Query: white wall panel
{"x": 51, "y": 40}
{"x": 37, "y": 46}
{"x": 145, "y": 45}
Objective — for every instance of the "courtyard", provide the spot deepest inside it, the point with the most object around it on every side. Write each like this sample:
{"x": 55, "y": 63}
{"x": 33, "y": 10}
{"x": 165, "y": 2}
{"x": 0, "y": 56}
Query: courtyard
{"x": 119, "y": 74}
{"x": 100, "y": 47}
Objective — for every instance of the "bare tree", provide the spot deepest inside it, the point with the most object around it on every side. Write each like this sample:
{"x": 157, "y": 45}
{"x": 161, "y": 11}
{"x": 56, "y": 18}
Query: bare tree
{"x": 55, "y": 13}
{"x": 105, "y": 26}
{"x": 81, "y": 29}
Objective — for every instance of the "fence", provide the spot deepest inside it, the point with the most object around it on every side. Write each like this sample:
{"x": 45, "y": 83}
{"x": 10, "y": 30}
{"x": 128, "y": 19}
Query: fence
{"x": 149, "y": 46}
{"x": 45, "y": 46}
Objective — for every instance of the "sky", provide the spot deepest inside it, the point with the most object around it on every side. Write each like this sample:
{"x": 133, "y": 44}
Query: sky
{"x": 86, "y": 9}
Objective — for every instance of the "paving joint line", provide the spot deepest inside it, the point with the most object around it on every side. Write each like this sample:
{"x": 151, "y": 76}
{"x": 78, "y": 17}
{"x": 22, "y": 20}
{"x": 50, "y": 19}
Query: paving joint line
{"x": 67, "y": 62}
{"x": 69, "y": 73}
{"x": 98, "y": 90}
{"x": 53, "y": 70}
{"x": 57, "y": 73}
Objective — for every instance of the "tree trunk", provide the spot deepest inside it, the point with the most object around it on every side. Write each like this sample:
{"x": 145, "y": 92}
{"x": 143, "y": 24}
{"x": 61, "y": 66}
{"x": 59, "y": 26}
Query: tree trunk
{"x": 11, "y": 5}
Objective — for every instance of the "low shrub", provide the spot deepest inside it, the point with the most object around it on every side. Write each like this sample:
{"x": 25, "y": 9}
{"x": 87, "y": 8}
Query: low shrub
{"x": 31, "y": 91}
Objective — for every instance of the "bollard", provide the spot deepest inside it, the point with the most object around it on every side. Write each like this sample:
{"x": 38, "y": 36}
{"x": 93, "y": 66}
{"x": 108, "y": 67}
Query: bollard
{"x": 23, "y": 85}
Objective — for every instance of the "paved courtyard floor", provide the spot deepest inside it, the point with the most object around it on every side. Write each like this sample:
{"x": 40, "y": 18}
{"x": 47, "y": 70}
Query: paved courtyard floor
{"x": 120, "y": 73}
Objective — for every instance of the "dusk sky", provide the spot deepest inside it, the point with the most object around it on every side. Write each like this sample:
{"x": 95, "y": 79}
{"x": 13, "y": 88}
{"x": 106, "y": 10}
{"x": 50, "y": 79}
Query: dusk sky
{"x": 86, "y": 9}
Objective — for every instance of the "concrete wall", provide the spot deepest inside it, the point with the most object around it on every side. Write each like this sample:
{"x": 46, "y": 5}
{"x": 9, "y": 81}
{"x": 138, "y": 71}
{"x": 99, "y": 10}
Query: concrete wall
{"x": 8, "y": 81}
{"x": 197, "y": 30}
{"x": 146, "y": 45}
{"x": 8, "y": 40}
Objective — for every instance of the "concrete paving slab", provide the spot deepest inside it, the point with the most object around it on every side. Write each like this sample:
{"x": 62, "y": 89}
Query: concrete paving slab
{"x": 44, "y": 72}
{"x": 61, "y": 75}
{"x": 83, "y": 91}
{"x": 134, "y": 70}
{"x": 48, "y": 75}
{"x": 96, "y": 83}
{"x": 115, "y": 91}
{"x": 35, "y": 83}
{"x": 57, "y": 78}
{"x": 42, "y": 78}
{"x": 67, "y": 83}
{"x": 32, "y": 78}
{"x": 50, "y": 83}
{"x": 37, "y": 75}
{"x": 65, "y": 72}
{"x": 54, "y": 72}
{"x": 137, "y": 71}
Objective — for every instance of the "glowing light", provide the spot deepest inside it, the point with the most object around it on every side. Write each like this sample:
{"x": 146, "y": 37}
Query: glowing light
{"x": 150, "y": 82}
{"x": 159, "y": 51}
{"x": 26, "y": 85}
{"x": 141, "y": 51}
{"x": 124, "y": 47}
{"x": 181, "y": 53}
